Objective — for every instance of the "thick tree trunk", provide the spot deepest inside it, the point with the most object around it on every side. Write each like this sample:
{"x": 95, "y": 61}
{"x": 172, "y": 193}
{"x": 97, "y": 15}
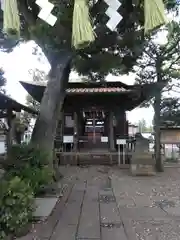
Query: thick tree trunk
{"x": 157, "y": 132}
{"x": 52, "y": 102}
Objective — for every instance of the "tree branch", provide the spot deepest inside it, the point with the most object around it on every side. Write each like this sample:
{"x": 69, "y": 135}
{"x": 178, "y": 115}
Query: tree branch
{"x": 27, "y": 14}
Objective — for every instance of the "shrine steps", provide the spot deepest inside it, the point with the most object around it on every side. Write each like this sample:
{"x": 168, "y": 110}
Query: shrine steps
{"x": 88, "y": 158}
{"x": 96, "y": 160}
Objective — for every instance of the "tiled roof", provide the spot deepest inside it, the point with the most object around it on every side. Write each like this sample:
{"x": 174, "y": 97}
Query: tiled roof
{"x": 96, "y": 90}
{"x": 7, "y": 101}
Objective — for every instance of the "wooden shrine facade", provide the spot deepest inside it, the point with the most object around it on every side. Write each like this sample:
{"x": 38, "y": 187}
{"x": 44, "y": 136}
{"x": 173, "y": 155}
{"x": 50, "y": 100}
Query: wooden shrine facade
{"x": 94, "y": 114}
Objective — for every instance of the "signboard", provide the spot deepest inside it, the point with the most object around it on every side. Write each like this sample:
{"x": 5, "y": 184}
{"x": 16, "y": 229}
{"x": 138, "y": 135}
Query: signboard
{"x": 68, "y": 139}
{"x": 121, "y": 141}
{"x": 170, "y": 136}
{"x": 104, "y": 139}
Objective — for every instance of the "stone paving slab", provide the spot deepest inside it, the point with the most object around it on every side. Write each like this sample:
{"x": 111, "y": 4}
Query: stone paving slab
{"x": 64, "y": 232}
{"x": 142, "y": 201}
{"x": 107, "y": 191}
{"x": 44, "y": 206}
{"x": 91, "y": 194}
{"x": 89, "y": 225}
{"x": 174, "y": 211}
{"x": 87, "y": 239}
{"x": 139, "y": 213}
{"x": 71, "y": 213}
{"x": 109, "y": 213}
{"x": 80, "y": 186}
{"x": 76, "y": 196}
{"x": 125, "y": 202}
{"x": 115, "y": 233}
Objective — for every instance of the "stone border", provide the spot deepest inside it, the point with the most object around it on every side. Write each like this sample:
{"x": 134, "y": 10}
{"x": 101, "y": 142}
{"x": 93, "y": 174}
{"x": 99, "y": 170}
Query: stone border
{"x": 44, "y": 229}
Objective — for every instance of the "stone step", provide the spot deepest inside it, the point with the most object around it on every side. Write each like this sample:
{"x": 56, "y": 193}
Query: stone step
{"x": 91, "y": 159}
{"x": 87, "y": 162}
{"x": 96, "y": 160}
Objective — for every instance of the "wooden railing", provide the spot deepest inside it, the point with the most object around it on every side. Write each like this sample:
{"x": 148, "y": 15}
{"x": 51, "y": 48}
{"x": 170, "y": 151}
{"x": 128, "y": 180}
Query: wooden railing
{"x": 90, "y": 143}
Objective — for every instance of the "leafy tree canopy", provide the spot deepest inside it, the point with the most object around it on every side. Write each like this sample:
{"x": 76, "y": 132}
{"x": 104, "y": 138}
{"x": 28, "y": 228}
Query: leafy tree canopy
{"x": 112, "y": 52}
{"x": 161, "y": 62}
{"x": 170, "y": 112}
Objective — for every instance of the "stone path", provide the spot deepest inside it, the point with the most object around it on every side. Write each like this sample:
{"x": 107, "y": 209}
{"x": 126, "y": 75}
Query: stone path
{"x": 105, "y": 203}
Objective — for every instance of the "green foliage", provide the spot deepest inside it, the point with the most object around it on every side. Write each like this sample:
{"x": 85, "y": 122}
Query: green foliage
{"x": 28, "y": 172}
{"x": 116, "y": 55}
{"x": 27, "y": 154}
{"x": 16, "y": 206}
{"x": 161, "y": 55}
{"x": 170, "y": 112}
{"x": 31, "y": 164}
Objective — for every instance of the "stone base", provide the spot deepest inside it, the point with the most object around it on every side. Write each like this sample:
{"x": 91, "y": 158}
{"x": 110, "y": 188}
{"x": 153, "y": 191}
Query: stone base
{"x": 44, "y": 207}
{"x": 142, "y": 170}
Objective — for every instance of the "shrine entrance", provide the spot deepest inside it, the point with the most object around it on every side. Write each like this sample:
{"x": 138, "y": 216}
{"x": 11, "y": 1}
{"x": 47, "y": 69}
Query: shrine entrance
{"x": 94, "y": 127}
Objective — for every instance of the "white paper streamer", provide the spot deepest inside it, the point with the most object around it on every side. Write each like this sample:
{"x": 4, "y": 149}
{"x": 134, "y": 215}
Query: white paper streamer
{"x": 2, "y": 4}
{"x": 114, "y": 16}
{"x": 45, "y": 13}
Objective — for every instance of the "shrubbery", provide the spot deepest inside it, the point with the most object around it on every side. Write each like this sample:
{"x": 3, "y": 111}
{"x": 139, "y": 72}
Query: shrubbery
{"x": 30, "y": 164}
{"x": 16, "y": 206}
{"x": 27, "y": 173}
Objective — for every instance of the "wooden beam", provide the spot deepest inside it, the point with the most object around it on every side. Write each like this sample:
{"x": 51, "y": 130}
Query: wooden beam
{"x": 111, "y": 131}
{"x": 76, "y": 132}
{"x": 10, "y": 132}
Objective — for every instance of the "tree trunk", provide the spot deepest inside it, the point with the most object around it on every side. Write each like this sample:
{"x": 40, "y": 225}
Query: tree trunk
{"x": 157, "y": 133}
{"x": 157, "y": 122}
{"x": 52, "y": 102}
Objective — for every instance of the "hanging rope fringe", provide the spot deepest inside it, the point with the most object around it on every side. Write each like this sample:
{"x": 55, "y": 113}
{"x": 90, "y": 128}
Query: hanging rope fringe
{"x": 11, "y": 21}
{"x": 154, "y": 13}
{"x": 82, "y": 31}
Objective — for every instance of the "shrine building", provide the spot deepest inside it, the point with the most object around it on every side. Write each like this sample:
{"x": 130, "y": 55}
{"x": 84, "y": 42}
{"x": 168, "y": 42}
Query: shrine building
{"x": 94, "y": 119}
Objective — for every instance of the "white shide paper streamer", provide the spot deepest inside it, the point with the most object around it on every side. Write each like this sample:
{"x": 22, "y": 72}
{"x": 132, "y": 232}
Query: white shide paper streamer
{"x": 114, "y": 16}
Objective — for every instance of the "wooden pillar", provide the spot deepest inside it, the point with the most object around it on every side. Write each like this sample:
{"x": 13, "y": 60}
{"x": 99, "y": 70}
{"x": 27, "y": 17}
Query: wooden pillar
{"x": 10, "y": 132}
{"x": 111, "y": 132}
{"x": 62, "y": 125}
{"x": 58, "y": 139}
{"x": 121, "y": 125}
{"x": 76, "y": 132}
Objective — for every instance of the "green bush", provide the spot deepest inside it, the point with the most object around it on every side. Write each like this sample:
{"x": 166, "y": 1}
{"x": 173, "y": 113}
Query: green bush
{"x": 26, "y": 154}
{"x": 16, "y": 206}
{"x": 31, "y": 165}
